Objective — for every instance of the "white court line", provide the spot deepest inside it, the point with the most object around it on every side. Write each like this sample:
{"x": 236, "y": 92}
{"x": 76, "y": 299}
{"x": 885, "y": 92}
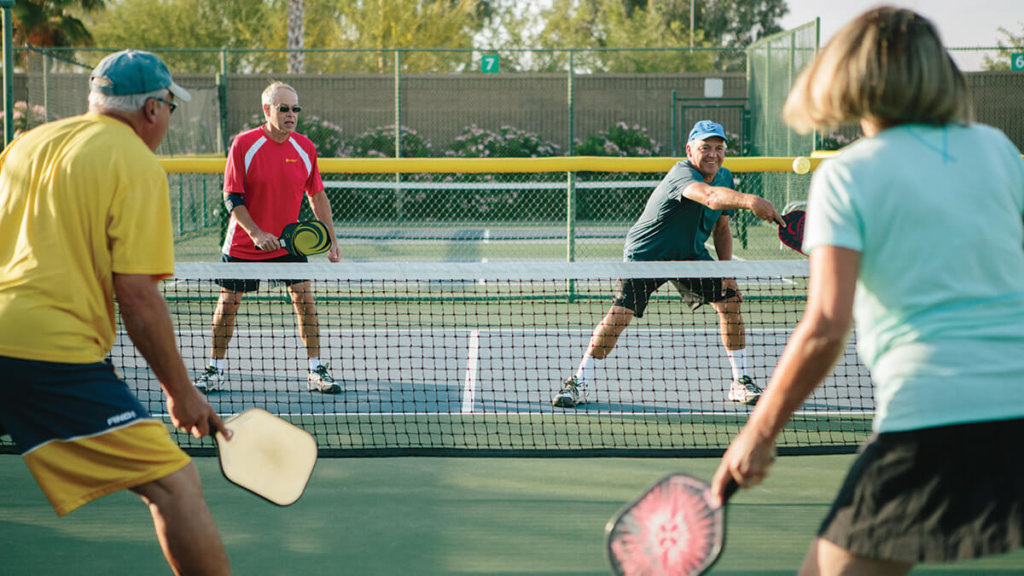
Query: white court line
{"x": 472, "y": 360}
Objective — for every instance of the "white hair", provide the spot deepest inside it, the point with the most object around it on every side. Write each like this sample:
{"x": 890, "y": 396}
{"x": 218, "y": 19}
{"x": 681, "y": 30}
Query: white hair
{"x": 269, "y": 97}
{"x": 124, "y": 102}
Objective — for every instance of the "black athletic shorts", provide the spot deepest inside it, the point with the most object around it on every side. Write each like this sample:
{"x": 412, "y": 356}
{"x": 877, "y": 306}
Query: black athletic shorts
{"x": 633, "y": 293}
{"x": 252, "y": 285}
{"x": 933, "y": 495}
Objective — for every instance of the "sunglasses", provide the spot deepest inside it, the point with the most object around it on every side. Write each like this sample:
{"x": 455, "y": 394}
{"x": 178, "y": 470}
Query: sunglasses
{"x": 295, "y": 109}
{"x": 172, "y": 105}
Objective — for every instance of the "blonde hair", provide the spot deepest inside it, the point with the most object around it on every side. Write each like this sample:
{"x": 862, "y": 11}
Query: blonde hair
{"x": 888, "y": 65}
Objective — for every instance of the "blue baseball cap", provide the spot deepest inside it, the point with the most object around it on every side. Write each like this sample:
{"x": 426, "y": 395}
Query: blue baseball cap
{"x": 134, "y": 72}
{"x": 706, "y": 129}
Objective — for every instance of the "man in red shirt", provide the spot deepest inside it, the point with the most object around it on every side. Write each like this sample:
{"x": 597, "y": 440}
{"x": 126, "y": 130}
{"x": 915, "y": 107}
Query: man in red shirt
{"x": 269, "y": 171}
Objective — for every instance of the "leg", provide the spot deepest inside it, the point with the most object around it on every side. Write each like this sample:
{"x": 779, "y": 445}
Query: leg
{"x": 224, "y": 322}
{"x": 734, "y": 338}
{"x": 304, "y": 302}
{"x": 730, "y": 322}
{"x": 305, "y": 312}
{"x": 184, "y": 525}
{"x": 606, "y": 333}
{"x": 827, "y": 559}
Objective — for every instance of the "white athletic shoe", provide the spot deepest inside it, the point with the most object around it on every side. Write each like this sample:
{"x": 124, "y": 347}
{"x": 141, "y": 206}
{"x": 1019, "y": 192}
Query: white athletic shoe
{"x": 320, "y": 380}
{"x": 571, "y": 395}
{"x": 210, "y": 381}
{"x": 744, "y": 391}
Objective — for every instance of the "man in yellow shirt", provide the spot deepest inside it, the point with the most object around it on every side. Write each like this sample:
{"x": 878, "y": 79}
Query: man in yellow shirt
{"x": 84, "y": 217}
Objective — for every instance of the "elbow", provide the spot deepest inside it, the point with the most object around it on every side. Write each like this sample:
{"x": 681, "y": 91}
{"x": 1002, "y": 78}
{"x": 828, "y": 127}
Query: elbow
{"x": 823, "y": 335}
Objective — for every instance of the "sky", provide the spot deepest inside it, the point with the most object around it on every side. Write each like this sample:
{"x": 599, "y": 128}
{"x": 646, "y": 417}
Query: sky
{"x": 961, "y": 23}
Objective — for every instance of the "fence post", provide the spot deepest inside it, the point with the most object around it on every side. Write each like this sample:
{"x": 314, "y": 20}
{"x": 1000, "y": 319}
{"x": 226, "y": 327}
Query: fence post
{"x": 8, "y": 71}
{"x": 222, "y": 102}
{"x": 570, "y": 203}
{"x": 399, "y": 195}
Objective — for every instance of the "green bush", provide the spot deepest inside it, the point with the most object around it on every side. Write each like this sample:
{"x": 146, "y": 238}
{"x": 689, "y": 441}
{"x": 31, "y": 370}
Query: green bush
{"x": 619, "y": 140}
{"x": 507, "y": 142}
{"x": 379, "y": 142}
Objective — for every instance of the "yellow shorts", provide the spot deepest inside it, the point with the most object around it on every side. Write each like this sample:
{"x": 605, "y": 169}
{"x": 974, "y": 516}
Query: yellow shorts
{"x": 81, "y": 431}
{"x": 74, "y": 472}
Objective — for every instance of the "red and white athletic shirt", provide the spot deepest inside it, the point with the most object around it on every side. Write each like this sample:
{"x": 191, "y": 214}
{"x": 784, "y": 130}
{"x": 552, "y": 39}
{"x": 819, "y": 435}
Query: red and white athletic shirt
{"x": 272, "y": 178}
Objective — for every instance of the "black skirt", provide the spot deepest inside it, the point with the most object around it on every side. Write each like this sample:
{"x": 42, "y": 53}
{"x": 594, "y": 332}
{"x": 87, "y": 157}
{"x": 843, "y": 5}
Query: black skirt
{"x": 933, "y": 495}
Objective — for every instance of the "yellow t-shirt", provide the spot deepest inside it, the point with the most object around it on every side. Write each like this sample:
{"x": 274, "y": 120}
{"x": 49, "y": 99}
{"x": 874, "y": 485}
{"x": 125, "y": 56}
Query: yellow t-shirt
{"x": 80, "y": 199}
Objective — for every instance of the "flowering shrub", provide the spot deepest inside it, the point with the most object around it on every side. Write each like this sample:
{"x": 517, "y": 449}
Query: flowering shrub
{"x": 25, "y": 116}
{"x": 324, "y": 134}
{"x": 619, "y": 140}
{"x": 835, "y": 140}
{"x": 736, "y": 146}
{"x": 379, "y": 142}
{"x": 507, "y": 142}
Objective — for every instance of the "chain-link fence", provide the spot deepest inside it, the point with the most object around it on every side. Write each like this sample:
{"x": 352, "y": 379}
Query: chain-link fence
{"x": 472, "y": 104}
{"x": 552, "y": 212}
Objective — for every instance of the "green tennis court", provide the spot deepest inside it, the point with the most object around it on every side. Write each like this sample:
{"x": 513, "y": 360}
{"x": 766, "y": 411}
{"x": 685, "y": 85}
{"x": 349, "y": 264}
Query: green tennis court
{"x": 431, "y": 516}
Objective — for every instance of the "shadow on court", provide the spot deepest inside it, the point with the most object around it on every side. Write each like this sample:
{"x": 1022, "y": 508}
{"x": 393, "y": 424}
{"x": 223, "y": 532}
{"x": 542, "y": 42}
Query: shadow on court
{"x": 430, "y": 516}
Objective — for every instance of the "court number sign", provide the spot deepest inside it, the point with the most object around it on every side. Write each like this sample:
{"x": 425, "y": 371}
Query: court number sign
{"x": 489, "y": 64}
{"x": 1017, "y": 61}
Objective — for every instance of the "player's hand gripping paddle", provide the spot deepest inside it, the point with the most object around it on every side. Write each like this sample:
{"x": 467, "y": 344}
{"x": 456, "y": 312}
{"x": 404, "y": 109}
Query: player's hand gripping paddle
{"x": 671, "y": 529}
{"x": 267, "y": 455}
{"x": 792, "y": 234}
{"x": 306, "y": 238}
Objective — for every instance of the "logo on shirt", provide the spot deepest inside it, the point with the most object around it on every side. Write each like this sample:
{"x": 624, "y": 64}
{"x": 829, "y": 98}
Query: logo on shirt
{"x": 287, "y": 160}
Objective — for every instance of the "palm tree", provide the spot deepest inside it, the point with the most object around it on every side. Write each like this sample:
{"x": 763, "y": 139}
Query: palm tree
{"x": 51, "y": 22}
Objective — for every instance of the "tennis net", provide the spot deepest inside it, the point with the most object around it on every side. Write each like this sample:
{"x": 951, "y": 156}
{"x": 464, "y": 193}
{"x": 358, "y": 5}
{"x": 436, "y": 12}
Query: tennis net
{"x": 465, "y": 358}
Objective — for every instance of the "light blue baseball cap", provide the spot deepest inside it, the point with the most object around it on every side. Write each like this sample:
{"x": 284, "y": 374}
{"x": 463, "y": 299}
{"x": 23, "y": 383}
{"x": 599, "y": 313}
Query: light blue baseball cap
{"x": 706, "y": 129}
{"x": 134, "y": 72}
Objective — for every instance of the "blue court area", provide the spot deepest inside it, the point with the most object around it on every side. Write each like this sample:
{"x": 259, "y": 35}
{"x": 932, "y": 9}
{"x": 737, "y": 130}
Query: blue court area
{"x": 430, "y": 391}
{"x": 462, "y": 371}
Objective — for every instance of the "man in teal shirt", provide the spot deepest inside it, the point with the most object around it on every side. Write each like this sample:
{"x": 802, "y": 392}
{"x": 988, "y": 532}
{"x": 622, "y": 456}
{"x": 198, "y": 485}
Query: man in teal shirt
{"x": 690, "y": 205}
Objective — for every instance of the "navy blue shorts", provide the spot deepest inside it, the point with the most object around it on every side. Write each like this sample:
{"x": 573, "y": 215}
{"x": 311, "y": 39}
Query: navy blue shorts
{"x": 81, "y": 432}
{"x": 252, "y": 285}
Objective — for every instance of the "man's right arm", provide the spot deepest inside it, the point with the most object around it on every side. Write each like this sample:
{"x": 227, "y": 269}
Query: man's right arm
{"x": 722, "y": 198}
{"x": 262, "y": 239}
{"x": 148, "y": 323}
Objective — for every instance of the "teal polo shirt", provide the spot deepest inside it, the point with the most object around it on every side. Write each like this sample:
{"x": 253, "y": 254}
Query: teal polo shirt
{"x": 673, "y": 227}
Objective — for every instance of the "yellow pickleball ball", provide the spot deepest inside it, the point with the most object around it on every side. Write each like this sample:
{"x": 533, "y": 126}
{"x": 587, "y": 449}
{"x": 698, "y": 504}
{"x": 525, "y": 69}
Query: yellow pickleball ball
{"x": 801, "y": 165}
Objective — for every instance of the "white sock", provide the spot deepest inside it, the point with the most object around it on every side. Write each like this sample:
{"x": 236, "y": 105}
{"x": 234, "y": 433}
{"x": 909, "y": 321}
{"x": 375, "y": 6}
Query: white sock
{"x": 588, "y": 365}
{"x": 738, "y": 361}
{"x": 218, "y": 364}
{"x": 314, "y": 363}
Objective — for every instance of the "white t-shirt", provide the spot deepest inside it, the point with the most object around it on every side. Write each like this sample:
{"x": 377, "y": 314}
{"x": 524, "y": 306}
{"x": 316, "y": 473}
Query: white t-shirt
{"x": 936, "y": 213}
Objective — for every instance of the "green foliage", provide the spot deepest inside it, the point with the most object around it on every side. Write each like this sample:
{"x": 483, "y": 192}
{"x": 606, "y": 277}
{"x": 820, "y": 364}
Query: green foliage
{"x": 409, "y": 24}
{"x": 379, "y": 142}
{"x": 1010, "y": 44}
{"x": 608, "y": 25}
{"x": 619, "y": 140}
{"x": 52, "y": 22}
{"x": 619, "y": 24}
{"x": 507, "y": 142}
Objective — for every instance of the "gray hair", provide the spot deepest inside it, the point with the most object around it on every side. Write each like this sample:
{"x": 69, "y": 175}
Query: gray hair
{"x": 126, "y": 102}
{"x": 270, "y": 93}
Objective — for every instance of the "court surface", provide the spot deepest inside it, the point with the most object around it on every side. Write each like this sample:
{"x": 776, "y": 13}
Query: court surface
{"x": 490, "y": 371}
{"x": 431, "y": 516}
